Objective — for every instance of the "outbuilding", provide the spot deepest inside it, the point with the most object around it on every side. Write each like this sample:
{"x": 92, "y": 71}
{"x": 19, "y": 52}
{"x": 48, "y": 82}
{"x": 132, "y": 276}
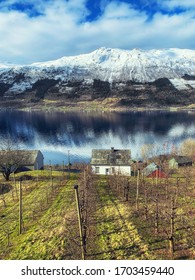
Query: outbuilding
{"x": 179, "y": 161}
{"x": 22, "y": 159}
{"x": 153, "y": 171}
{"x": 34, "y": 159}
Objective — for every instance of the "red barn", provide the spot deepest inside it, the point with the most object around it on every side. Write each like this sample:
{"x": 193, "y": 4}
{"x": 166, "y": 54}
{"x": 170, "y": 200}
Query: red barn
{"x": 153, "y": 171}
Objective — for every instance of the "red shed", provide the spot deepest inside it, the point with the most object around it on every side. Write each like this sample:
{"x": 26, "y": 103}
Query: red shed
{"x": 153, "y": 171}
{"x": 157, "y": 174}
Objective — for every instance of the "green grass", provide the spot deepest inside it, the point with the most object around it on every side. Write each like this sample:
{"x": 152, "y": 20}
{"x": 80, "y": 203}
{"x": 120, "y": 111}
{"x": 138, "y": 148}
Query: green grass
{"x": 46, "y": 210}
{"x": 118, "y": 237}
{"x": 118, "y": 231}
{"x": 183, "y": 195}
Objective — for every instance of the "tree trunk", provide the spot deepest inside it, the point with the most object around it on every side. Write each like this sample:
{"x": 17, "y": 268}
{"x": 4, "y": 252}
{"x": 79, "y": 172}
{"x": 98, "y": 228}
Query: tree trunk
{"x": 6, "y": 175}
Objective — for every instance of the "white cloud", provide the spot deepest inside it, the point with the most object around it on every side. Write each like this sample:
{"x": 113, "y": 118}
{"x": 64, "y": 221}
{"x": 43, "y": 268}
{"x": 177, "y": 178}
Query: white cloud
{"x": 177, "y": 3}
{"x": 24, "y": 38}
{"x": 118, "y": 10}
{"x": 62, "y": 30}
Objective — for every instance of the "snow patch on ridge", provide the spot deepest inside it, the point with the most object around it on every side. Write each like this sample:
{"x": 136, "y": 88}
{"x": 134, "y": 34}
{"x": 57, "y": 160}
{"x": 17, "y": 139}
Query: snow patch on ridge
{"x": 110, "y": 65}
{"x": 116, "y": 64}
{"x": 182, "y": 84}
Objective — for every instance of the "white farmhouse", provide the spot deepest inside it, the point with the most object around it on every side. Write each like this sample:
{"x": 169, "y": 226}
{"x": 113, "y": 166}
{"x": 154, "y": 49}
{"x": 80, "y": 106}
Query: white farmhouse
{"x": 108, "y": 162}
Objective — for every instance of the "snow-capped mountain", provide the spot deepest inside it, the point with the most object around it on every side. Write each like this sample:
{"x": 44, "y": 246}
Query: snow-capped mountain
{"x": 137, "y": 65}
{"x": 113, "y": 66}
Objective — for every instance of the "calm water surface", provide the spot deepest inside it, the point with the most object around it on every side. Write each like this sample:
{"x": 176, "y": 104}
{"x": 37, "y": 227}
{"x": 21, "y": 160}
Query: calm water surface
{"x": 57, "y": 133}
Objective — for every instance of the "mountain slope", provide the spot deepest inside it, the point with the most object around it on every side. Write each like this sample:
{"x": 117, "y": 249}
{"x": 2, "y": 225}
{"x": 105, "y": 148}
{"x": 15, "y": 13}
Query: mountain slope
{"x": 138, "y": 65}
{"x": 102, "y": 73}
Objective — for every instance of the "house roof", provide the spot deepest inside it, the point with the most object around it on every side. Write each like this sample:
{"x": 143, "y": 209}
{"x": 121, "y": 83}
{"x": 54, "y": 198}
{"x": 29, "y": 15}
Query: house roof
{"x": 162, "y": 158}
{"x": 111, "y": 157}
{"x": 28, "y": 156}
{"x": 182, "y": 159}
{"x": 150, "y": 168}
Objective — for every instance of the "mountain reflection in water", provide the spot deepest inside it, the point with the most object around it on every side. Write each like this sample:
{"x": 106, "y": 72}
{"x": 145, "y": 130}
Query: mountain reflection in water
{"x": 56, "y": 133}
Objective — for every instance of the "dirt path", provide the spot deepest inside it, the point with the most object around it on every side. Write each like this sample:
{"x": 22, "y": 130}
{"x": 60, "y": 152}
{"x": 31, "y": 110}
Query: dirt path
{"x": 111, "y": 234}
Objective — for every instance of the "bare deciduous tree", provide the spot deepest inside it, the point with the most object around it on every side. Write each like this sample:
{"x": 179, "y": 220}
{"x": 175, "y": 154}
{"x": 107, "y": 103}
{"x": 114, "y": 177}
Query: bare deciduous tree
{"x": 147, "y": 152}
{"x": 188, "y": 148}
{"x": 11, "y": 158}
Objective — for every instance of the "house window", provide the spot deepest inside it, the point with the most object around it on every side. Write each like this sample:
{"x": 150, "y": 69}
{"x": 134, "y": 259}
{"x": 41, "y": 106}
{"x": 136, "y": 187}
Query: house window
{"x": 97, "y": 169}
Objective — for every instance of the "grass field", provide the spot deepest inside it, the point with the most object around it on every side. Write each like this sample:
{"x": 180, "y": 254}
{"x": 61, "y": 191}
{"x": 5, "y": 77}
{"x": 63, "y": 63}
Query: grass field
{"x": 116, "y": 225}
{"x": 47, "y": 205}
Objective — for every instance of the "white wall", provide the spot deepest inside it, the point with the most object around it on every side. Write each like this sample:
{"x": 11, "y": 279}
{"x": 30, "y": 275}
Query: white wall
{"x": 39, "y": 161}
{"x": 109, "y": 170}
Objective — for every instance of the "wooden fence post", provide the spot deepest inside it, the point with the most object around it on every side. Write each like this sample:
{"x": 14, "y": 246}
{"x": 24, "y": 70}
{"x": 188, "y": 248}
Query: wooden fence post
{"x": 172, "y": 231}
{"x": 157, "y": 215}
{"x": 20, "y": 206}
{"x": 68, "y": 164}
{"x": 80, "y": 223}
{"x": 137, "y": 190}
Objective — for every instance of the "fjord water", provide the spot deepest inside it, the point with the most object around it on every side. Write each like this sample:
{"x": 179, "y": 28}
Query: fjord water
{"x": 58, "y": 134}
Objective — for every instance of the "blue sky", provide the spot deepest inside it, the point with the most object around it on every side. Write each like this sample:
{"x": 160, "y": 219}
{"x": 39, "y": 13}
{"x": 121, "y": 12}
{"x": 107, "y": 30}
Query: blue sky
{"x": 41, "y": 30}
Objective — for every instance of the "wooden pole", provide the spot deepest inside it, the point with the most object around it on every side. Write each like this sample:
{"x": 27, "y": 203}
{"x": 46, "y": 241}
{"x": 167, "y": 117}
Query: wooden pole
{"x": 146, "y": 201}
{"x": 80, "y": 223}
{"x": 63, "y": 168}
{"x": 20, "y": 206}
{"x": 172, "y": 224}
{"x": 157, "y": 215}
{"x": 15, "y": 185}
{"x": 68, "y": 164}
{"x": 51, "y": 178}
{"x": 50, "y": 172}
{"x": 37, "y": 173}
{"x": 157, "y": 174}
{"x": 137, "y": 191}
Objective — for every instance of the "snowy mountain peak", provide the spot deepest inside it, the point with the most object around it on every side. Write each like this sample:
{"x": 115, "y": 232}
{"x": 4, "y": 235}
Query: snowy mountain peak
{"x": 107, "y": 64}
{"x": 138, "y": 77}
{"x": 140, "y": 65}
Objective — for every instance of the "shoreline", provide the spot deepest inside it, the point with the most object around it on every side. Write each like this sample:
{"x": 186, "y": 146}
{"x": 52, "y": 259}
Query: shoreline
{"x": 106, "y": 105}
